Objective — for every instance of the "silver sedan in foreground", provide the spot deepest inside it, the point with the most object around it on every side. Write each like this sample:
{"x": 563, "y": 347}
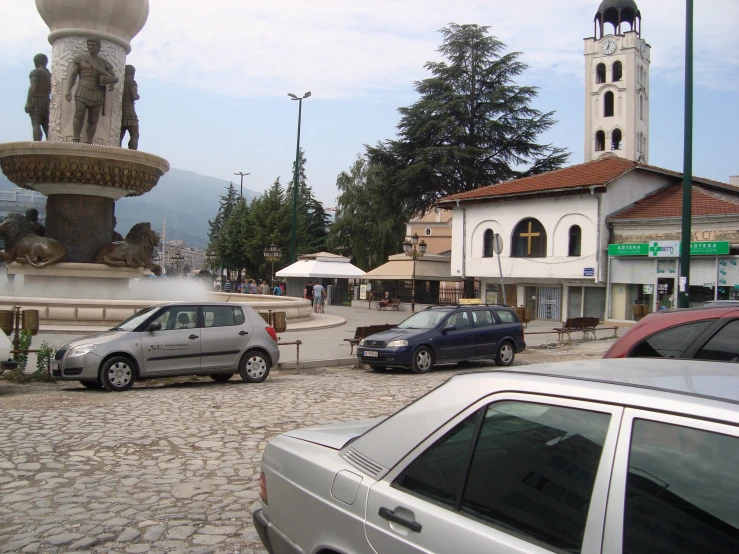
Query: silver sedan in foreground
{"x": 606, "y": 456}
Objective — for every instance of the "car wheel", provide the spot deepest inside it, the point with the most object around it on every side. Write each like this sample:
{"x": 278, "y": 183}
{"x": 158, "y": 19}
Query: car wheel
{"x": 93, "y": 385}
{"x": 505, "y": 354}
{"x": 423, "y": 360}
{"x": 221, "y": 377}
{"x": 378, "y": 367}
{"x": 254, "y": 367}
{"x": 117, "y": 374}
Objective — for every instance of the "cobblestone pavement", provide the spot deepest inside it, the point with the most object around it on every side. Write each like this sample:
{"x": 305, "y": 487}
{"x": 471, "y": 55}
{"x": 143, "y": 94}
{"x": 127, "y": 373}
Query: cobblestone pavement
{"x": 172, "y": 465}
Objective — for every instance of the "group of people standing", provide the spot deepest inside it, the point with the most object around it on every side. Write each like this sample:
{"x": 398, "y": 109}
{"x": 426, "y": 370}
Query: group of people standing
{"x": 316, "y": 294}
{"x": 251, "y": 287}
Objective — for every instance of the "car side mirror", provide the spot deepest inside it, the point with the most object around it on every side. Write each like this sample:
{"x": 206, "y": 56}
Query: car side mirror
{"x": 155, "y": 326}
{"x": 448, "y": 328}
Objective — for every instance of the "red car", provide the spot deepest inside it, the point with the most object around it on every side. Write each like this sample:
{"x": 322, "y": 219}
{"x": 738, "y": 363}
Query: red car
{"x": 700, "y": 333}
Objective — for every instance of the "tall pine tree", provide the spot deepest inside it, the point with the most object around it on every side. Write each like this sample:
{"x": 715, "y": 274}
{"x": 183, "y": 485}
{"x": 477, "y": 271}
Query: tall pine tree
{"x": 472, "y": 126}
{"x": 312, "y": 221}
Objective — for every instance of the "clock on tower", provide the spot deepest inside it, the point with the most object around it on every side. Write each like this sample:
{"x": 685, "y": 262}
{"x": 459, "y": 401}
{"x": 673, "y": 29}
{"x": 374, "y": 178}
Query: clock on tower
{"x": 617, "y": 62}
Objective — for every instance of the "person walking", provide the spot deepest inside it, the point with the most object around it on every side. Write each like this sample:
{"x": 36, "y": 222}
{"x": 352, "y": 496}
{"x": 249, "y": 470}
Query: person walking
{"x": 264, "y": 288}
{"x": 319, "y": 298}
{"x": 308, "y": 292}
{"x": 277, "y": 290}
{"x": 253, "y": 287}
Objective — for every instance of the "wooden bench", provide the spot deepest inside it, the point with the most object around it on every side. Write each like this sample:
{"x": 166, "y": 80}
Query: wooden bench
{"x": 588, "y": 326}
{"x": 393, "y": 303}
{"x": 366, "y": 331}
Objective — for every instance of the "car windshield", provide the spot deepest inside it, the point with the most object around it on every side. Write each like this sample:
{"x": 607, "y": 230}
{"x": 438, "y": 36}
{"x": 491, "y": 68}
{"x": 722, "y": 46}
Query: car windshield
{"x": 427, "y": 319}
{"x": 135, "y": 320}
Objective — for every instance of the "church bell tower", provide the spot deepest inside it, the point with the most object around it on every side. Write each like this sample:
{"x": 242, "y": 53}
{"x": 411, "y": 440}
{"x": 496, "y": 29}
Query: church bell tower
{"x": 617, "y": 84}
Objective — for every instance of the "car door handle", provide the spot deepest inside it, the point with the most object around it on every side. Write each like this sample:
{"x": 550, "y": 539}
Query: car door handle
{"x": 193, "y": 337}
{"x": 389, "y": 515}
{"x": 242, "y": 333}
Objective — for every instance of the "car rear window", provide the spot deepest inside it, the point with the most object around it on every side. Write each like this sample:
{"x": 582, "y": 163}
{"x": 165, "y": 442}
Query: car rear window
{"x": 670, "y": 343}
{"x": 691, "y": 503}
{"x": 222, "y": 316}
{"x": 506, "y": 316}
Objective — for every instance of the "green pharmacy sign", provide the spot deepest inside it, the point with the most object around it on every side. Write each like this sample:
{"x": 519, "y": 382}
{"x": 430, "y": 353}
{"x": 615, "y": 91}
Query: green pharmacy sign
{"x": 628, "y": 249}
{"x": 710, "y": 248}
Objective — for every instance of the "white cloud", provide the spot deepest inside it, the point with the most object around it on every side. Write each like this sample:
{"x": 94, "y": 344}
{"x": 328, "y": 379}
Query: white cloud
{"x": 340, "y": 48}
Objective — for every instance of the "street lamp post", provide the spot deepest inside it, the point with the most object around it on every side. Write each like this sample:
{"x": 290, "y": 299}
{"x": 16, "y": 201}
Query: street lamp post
{"x": 242, "y": 182}
{"x": 414, "y": 250}
{"x": 272, "y": 254}
{"x": 297, "y": 172}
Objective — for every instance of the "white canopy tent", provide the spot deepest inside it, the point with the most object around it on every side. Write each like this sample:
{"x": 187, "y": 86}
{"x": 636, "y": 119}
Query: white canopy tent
{"x": 329, "y": 269}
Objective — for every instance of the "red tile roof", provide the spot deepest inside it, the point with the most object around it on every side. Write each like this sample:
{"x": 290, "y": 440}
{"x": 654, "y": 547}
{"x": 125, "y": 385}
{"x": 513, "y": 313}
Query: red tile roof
{"x": 668, "y": 202}
{"x": 585, "y": 175}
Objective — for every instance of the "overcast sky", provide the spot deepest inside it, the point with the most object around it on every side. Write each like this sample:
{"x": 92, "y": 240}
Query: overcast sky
{"x": 214, "y": 76}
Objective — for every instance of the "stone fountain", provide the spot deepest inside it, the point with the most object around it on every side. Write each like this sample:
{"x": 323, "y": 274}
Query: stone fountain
{"x": 83, "y": 171}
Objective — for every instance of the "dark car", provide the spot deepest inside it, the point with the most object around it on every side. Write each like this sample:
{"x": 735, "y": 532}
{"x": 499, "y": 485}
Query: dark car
{"x": 709, "y": 333}
{"x": 446, "y": 334}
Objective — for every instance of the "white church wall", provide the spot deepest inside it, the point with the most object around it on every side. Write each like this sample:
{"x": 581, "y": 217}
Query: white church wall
{"x": 555, "y": 214}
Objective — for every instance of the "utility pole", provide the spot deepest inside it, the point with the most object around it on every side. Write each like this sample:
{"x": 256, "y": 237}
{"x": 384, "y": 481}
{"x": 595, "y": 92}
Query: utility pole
{"x": 242, "y": 181}
{"x": 683, "y": 300}
{"x": 297, "y": 174}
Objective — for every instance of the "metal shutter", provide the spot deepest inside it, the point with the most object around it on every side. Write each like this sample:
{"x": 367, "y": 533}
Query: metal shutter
{"x": 637, "y": 272}
{"x": 574, "y": 302}
{"x": 702, "y": 271}
{"x": 549, "y": 303}
{"x": 595, "y": 302}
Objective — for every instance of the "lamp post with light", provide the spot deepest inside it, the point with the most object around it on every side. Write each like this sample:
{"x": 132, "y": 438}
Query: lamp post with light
{"x": 272, "y": 254}
{"x": 414, "y": 250}
{"x": 297, "y": 171}
{"x": 242, "y": 182}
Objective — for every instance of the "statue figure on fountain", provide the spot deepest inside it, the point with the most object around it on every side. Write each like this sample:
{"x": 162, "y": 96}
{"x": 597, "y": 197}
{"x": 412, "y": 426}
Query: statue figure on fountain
{"x": 130, "y": 121}
{"x": 137, "y": 250}
{"x": 95, "y": 75}
{"x": 36, "y": 227}
{"x": 39, "y": 97}
{"x": 22, "y": 245}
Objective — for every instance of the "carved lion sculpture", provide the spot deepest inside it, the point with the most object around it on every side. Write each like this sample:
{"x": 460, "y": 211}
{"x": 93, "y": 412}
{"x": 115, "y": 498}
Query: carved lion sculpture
{"x": 22, "y": 245}
{"x": 135, "y": 251}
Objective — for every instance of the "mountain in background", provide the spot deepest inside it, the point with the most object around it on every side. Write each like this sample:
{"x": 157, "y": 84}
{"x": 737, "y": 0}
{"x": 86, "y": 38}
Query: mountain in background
{"x": 185, "y": 199}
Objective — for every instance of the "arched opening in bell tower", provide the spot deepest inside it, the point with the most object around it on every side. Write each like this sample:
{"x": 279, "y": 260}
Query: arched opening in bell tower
{"x": 615, "y": 13}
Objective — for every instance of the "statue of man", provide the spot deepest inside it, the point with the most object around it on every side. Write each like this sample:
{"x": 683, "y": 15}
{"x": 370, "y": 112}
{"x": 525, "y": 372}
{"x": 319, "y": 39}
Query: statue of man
{"x": 95, "y": 73}
{"x": 117, "y": 237}
{"x": 129, "y": 121}
{"x": 32, "y": 217}
{"x": 39, "y": 97}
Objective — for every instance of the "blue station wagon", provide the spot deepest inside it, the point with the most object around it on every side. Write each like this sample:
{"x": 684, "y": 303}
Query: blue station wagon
{"x": 446, "y": 334}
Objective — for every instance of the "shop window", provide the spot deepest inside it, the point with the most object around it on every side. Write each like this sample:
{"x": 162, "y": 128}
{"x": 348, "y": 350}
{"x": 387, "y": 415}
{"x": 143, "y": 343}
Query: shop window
{"x": 600, "y": 73}
{"x": 616, "y": 137}
{"x": 487, "y": 243}
{"x": 529, "y": 239}
{"x": 575, "y": 241}
{"x": 617, "y": 71}
{"x": 600, "y": 141}
{"x": 608, "y": 104}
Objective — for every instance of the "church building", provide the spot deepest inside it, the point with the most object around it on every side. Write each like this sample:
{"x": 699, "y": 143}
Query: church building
{"x": 549, "y": 235}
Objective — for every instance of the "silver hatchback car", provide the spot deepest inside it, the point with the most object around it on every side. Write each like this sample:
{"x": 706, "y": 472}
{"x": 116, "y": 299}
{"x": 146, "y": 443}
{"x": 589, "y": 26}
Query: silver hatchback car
{"x": 606, "y": 456}
{"x": 198, "y": 338}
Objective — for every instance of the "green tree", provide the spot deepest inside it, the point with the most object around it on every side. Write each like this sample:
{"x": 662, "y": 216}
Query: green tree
{"x": 216, "y": 243}
{"x": 312, "y": 221}
{"x": 269, "y": 223}
{"x": 233, "y": 238}
{"x": 363, "y": 229}
{"x": 472, "y": 126}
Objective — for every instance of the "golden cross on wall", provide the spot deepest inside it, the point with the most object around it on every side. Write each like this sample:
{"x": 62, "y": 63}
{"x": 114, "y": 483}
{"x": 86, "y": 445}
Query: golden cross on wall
{"x": 529, "y": 236}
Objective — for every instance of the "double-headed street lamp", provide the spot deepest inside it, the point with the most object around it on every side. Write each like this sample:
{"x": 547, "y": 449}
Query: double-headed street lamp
{"x": 242, "y": 181}
{"x": 272, "y": 254}
{"x": 297, "y": 172}
{"x": 414, "y": 250}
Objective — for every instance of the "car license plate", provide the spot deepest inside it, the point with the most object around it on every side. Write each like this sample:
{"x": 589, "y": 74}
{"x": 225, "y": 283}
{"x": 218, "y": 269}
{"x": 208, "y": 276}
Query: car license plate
{"x": 54, "y": 366}
{"x": 370, "y": 354}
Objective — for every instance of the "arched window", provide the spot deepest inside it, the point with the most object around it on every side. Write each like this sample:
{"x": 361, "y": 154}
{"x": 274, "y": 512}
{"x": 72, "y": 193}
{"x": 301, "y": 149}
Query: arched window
{"x": 617, "y": 71}
{"x": 575, "y": 241}
{"x": 641, "y": 107}
{"x": 529, "y": 239}
{"x": 616, "y": 137}
{"x": 600, "y": 73}
{"x": 608, "y": 104}
{"x": 487, "y": 243}
{"x": 600, "y": 141}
